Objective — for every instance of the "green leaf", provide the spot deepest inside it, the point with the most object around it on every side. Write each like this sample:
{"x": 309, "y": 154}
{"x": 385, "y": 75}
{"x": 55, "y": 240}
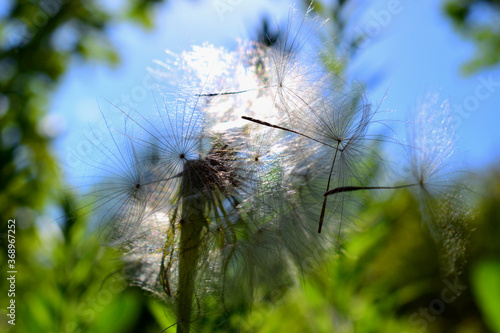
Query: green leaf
{"x": 164, "y": 317}
{"x": 486, "y": 286}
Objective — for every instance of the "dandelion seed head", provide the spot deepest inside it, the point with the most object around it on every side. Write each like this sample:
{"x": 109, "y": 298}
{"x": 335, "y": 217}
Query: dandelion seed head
{"x": 221, "y": 180}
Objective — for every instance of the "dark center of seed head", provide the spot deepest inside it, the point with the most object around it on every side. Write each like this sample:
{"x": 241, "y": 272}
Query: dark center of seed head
{"x": 182, "y": 156}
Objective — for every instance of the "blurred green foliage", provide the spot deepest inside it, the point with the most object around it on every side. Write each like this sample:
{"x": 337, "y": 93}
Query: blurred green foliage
{"x": 67, "y": 282}
{"x": 388, "y": 278}
{"x": 33, "y": 58}
{"x": 478, "y": 20}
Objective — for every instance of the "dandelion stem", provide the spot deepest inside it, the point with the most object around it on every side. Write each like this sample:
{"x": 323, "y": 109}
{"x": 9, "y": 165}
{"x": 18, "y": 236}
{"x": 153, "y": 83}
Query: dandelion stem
{"x": 323, "y": 208}
{"x": 265, "y": 123}
{"x": 191, "y": 229}
{"x": 191, "y": 225}
{"x": 357, "y": 188}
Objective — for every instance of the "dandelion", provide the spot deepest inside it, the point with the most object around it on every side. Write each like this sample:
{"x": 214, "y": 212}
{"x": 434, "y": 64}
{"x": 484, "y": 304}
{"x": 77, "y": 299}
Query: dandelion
{"x": 211, "y": 202}
{"x": 196, "y": 182}
{"x": 241, "y": 162}
{"x": 169, "y": 186}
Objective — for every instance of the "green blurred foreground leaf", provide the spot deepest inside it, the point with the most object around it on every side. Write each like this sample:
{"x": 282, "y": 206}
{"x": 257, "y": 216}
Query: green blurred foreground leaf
{"x": 486, "y": 282}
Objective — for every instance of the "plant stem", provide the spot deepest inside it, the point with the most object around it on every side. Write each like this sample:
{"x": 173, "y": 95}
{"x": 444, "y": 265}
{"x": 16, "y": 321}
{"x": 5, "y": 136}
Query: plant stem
{"x": 323, "y": 208}
{"x": 191, "y": 226}
{"x": 358, "y": 188}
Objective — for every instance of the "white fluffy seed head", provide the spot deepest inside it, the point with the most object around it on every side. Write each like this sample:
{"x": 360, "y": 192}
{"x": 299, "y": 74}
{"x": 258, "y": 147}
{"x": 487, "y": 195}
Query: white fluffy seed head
{"x": 258, "y": 187}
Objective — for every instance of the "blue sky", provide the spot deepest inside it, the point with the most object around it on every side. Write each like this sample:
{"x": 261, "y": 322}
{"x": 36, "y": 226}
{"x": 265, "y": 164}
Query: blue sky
{"x": 420, "y": 52}
{"x": 411, "y": 50}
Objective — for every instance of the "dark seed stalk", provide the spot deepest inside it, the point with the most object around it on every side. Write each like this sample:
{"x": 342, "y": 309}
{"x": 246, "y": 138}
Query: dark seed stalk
{"x": 358, "y": 188}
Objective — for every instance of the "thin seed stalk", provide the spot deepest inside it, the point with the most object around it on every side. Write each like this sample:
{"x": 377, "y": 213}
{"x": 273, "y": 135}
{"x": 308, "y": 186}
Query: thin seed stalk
{"x": 359, "y": 188}
{"x": 323, "y": 208}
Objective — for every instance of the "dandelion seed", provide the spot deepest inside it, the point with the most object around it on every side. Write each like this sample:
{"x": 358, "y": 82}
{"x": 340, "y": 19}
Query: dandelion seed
{"x": 122, "y": 192}
{"x": 445, "y": 202}
{"x": 340, "y": 125}
{"x": 290, "y": 69}
{"x": 298, "y": 74}
{"x": 261, "y": 122}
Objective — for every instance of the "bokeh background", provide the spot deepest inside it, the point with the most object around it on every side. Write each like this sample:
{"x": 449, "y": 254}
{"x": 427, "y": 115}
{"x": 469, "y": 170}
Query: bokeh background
{"x": 58, "y": 58}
